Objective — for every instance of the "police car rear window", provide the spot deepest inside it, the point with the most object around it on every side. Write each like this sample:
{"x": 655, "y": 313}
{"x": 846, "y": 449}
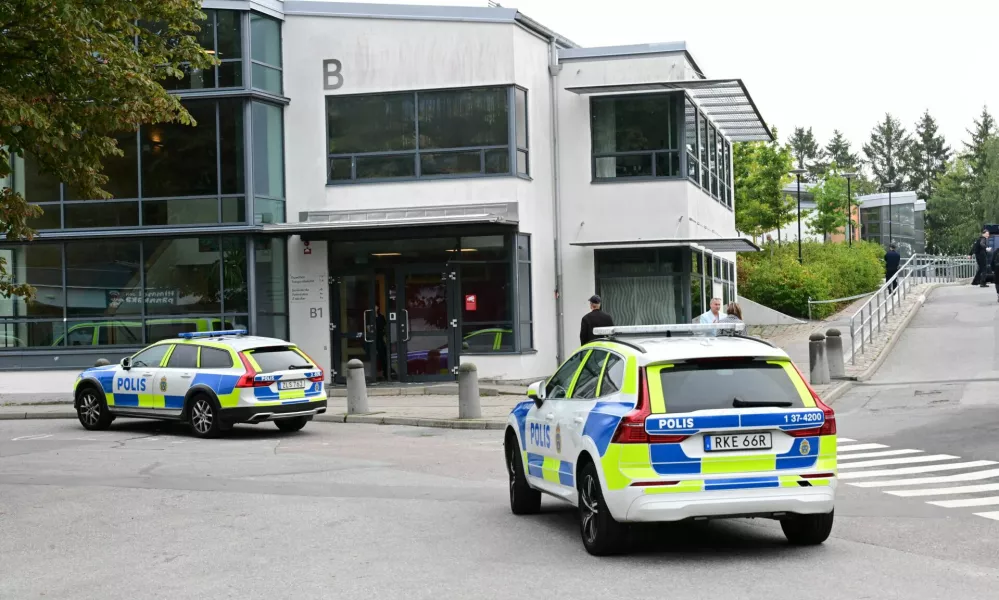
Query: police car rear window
{"x": 279, "y": 358}
{"x": 717, "y": 384}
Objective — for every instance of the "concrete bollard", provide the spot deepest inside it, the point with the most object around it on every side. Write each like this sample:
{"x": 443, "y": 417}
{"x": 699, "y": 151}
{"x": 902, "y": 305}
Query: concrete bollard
{"x": 818, "y": 365}
{"x": 469, "y": 404}
{"x": 102, "y": 362}
{"x": 357, "y": 391}
{"x": 834, "y": 353}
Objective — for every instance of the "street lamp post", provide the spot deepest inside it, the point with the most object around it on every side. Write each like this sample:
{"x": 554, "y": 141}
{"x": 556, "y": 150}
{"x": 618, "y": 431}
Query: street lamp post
{"x": 890, "y": 186}
{"x": 798, "y": 173}
{"x": 849, "y": 208}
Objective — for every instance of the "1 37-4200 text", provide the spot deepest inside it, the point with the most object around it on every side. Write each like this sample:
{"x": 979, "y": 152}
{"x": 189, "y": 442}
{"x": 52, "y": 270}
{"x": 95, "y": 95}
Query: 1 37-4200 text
{"x": 810, "y": 417}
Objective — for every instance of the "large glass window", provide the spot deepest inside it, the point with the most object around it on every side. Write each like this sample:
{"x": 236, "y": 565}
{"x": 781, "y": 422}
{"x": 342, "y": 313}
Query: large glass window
{"x": 265, "y": 53}
{"x": 427, "y": 134}
{"x": 635, "y": 136}
{"x": 270, "y": 265}
{"x": 268, "y": 163}
{"x": 221, "y": 35}
{"x": 103, "y": 278}
{"x": 709, "y": 155}
{"x": 641, "y": 286}
{"x": 526, "y": 319}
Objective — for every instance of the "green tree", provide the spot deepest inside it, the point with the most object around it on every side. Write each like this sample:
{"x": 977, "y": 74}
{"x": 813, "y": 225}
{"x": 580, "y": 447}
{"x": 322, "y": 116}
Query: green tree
{"x": 761, "y": 171}
{"x": 807, "y": 153}
{"x": 76, "y": 72}
{"x": 976, "y": 150}
{"x": 888, "y": 153}
{"x": 929, "y": 156}
{"x": 830, "y": 203}
{"x": 838, "y": 151}
{"x": 950, "y": 222}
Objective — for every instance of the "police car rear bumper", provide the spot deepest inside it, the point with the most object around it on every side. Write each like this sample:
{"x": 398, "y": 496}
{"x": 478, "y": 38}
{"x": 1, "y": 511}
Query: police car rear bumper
{"x": 254, "y": 414}
{"x": 638, "y": 506}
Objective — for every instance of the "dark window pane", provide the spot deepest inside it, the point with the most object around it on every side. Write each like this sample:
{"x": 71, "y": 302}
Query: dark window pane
{"x": 589, "y": 376}
{"x": 266, "y": 210}
{"x": 696, "y": 306}
{"x": 635, "y": 165}
{"x": 265, "y": 40}
{"x": 376, "y": 167}
{"x": 234, "y": 274}
{"x": 613, "y": 375}
{"x": 51, "y": 218}
{"x": 34, "y": 185}
{"x": 523, "y": 247}
{"x": 119, "y": 333}
{"x": 81, "y": 335}
{"x": 668, "y": 164}
{"x": 193, "y": 79}
{"x": 229, "y": 29}
{"x": 231, "y": 74}
{"x": 690, "y": 127}
{"x": 233, "y": 210}
{"x": 213, "y": 358}
{"x": 558, "y": 385}
{"x": 184, "y": 356}
{"x": 180, "y": 212}
{"x": 523, "y": 167}
{"x": 629, "y": 124}
{"x": 340, "y": 169}
{"x": 231, "y": 146}
{"x": 498, "y": 161}
{"x": 39, "y": 265}
{"x": 165, "y": 329}
{"x": 268, "y": 150}
{"x": 524, "y": 291}
{"x": 266, "y": 78}
{"x": 122, "y": 172}
{"x": 526, "y": 337}
{"x": 279, "y": 358}
{"x": 485, "y": 247}
{"x": 273, "y": 326}
{"x": 520, "y": 98}
{"x": 451, "y": 163}
{"x": 31, "y": 335}
{"x": 271, "y": 275}
{"x": 180, "y": 160}
{"x": 103, "y": 278}
{"x": 182, "y": 276}
{"x": 480, "y": 338}
{"x": 376, "y": 123}
{"x": 709, "y": 386}
{"x": 206, "y": 35}
{"x": 492, "y": 288}
{"x": 93, "y": 215}
{"x": 150, "y": 357}
{"x": 463, "y": 118}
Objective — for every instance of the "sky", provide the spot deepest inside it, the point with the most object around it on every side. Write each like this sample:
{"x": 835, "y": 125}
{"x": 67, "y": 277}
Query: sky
{"x": 826, "y": 65}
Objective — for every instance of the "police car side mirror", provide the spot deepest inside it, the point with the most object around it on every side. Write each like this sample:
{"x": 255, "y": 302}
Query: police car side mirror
{"x": 536, "y": 392}
{"x": 126, "y": 363}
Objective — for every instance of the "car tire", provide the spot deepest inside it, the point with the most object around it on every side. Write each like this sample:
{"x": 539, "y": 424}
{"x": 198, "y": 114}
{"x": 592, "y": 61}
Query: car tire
{"x": 524, "y": 500}
{"x": 92, "y": 409}
{"x": 602, "y": 535}
{"x": 292, "y": 424}
{"x": 203, "y": 417}
{"x": 808, "y": 530}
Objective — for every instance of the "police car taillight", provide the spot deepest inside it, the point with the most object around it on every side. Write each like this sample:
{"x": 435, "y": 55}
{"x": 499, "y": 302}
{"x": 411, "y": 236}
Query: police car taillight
{"x": 246, "y": 380}
{"x": 828, "y": 425}
{"x": 631, "y": 429}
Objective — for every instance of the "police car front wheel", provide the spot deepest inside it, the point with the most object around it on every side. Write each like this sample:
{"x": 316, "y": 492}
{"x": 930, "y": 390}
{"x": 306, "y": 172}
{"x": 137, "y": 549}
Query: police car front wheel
{"x": 807, "y": 530}
{"x": 92, "y": 409}
{"x": 523, "y": 499}
{"x": 602, "y": 535}
{"x": 204, "y": 417}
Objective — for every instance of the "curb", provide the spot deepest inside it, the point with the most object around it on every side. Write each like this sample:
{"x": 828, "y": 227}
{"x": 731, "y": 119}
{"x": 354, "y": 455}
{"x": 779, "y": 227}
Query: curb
{"x": 55, "y": 414}
{"x": 835, "y": 393}
{"x": 379, "y": 419}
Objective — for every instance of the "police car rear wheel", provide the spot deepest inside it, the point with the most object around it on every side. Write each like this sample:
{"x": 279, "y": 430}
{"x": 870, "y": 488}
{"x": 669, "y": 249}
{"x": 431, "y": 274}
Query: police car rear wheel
{"x": 523, "y": 499}
{"x": 292, "y": 424}
{"x": 602, "y": 535}
{"x": 92, "y": 410}
{"x": 807, "y": 530}
{"x": 204, "y": 418}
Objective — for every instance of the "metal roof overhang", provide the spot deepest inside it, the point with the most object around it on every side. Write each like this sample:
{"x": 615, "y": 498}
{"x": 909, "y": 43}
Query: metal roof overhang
{"x": 726, "y": 102}
{"x": 712, "y": 244}
{"x": 493, "y": 213}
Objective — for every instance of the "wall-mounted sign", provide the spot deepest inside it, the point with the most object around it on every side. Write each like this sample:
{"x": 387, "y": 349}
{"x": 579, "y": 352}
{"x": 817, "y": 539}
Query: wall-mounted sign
{"x": 471, "y": 302}
{"x": 307, "y": 289}
{"x": 115, "y": 298}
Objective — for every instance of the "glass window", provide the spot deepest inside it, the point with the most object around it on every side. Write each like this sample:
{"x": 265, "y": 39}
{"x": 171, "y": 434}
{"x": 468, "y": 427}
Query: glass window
{"x": 486, "y": 292}
{"x": 270, "y": 263}
{"x": 464, "y": 118}
{"x": 122, "y": 171}
{"x": 524, "y": 291}
{"x": 187, "y": 211}
{"x": 476, "y": 339}
{"x": 268, "y": 154}
{"x": 182, "y": 276}
{"x": 613, "y": 376}
{"x": 520, "y": 102}
{"x": 80, "y": 335}
{"x": 229, "y": 27}
{"x": 717, "y": 385}
{"x": 92, "y": 215}
{"x": 180, "y": 160}
{"x": 234, "y": 275}
{"x": 265, "y": 40}
{"x": 119, "y": 333}
{"x": 375, "y": 123}
{"x": 40, "y": 266}
{"x": 150, "y": 357}
{"x": 279, "y": 358}
{"x": 103, "y": 278}
{"x": 558, "y": 385}
{"x": 231, "y": 147}
{"x": 646, "y": 124}
{"x": 485, "y": 247}
{"x": 165, "y": 329}
{"x": 51, "y": 217}
{"x": 33, "y": 334}
{"x": 184, "y": 356}
{"x": 213, "y": 358}
{"x": 32, "y": 183}
{"x": 223, "y": 27}
{"x": 589, "y": 376}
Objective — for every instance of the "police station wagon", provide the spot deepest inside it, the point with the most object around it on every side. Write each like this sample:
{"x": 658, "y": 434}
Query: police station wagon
{"x": 672, "y": 423}
{"x": 210, "y": 380}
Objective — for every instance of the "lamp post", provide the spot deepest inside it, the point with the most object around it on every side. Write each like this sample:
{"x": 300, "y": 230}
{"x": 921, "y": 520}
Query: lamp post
{"x": 798, "y": 173}
{"x": 849, "y": 208}
{"x": 890, "y": 186}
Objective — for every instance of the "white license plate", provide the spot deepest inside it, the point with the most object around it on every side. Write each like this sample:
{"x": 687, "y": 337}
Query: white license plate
{"x": 298, "y": 384}
{"x": 738, "y": 441}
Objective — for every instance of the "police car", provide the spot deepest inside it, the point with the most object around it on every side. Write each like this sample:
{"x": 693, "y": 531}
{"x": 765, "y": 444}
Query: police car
{"x": 208, "y": 379}
{"x": 671, "y": 423}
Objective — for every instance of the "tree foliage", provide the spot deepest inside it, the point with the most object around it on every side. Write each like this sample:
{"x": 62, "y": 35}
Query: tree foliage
{"x": 888, "y": 153}
{"x": 830, "y": 203}
{"x": 838, "y": 151}
{"x": 976, "y": 150}
{"x": 76, "y": 72}
{"x": 950, "y": 225}
{"x": 807, "y": 153}
{"x": 761, "y": 171}
{"x": 929, "y": 156}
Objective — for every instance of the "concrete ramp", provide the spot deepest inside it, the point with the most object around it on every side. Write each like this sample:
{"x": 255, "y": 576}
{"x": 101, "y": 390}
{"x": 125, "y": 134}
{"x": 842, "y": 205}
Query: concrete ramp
{"x": 754, "y": 313}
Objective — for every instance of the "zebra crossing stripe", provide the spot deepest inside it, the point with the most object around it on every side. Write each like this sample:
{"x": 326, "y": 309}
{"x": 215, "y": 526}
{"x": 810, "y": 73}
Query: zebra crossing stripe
{"x": 856, "y": 447}
{"x": 879, "y": 454}
{"x": 961, "y": 489}
{"x": 966, "y": 502}
{"x": 914, "y": 470}
{"x": 843, "y": 439}
{"x": 974, "y": 476}
{"x": 989, "y": 515}
{"x": 896, "y": 461}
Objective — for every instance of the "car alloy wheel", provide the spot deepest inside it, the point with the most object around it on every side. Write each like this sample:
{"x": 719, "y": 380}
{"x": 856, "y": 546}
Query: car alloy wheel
{"x": 90, "y": 408}
{"x": 590, "y": 506}
{"x": 203, "y": 416}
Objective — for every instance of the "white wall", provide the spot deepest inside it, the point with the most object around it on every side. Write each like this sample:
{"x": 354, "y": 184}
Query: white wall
{"x": 309, "y": 301}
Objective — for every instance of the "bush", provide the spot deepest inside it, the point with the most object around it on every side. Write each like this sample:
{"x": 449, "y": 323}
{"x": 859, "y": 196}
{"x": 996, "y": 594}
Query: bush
{"x": 775, "y": 279}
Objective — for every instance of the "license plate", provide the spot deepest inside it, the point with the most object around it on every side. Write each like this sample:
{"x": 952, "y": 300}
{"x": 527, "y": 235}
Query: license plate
{"x": 298, "y": 384}
{"x": 737, "y": 441}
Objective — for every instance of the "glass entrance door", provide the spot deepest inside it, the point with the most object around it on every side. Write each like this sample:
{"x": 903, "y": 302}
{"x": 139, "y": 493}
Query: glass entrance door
{"x": 428, "y": 324}
{"x": 361, "y": 329}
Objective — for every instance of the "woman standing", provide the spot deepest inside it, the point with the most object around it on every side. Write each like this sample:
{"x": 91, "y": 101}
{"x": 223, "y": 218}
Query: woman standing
{"x": 733, "y": 314}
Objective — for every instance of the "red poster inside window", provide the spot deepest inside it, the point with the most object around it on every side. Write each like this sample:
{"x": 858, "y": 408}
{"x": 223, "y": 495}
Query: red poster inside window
{"x": 470, "y": 302}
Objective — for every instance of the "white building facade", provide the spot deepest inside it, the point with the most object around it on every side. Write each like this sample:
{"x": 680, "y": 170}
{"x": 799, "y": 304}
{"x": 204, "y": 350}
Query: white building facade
{"x": 451, "y": 184}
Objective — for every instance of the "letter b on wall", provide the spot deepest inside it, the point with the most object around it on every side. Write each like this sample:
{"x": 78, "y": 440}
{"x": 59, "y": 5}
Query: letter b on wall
{"x": 332, "y": 76}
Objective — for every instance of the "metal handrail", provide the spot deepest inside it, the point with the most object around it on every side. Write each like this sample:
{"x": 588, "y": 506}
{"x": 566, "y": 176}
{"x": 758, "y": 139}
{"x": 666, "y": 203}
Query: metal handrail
{"x": 919, "y": 269}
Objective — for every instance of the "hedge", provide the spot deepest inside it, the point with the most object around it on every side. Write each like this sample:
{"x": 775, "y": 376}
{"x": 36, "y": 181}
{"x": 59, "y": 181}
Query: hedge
{"x": 774, "y": 277}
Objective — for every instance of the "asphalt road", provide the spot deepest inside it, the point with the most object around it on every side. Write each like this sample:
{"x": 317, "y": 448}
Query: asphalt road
{"x": 357, "y": 511}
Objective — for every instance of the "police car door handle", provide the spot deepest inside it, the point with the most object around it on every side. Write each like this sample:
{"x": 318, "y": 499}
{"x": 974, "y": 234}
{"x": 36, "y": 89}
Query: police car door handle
{"x": 186, "y": 375}
{"x": 550, "y": 417}
{"x": 578, "y": 420}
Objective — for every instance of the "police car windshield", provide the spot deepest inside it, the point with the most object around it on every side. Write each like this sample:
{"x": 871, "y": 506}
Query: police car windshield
{"x": 726, "y": 385}
{"x": 279, "y": 358}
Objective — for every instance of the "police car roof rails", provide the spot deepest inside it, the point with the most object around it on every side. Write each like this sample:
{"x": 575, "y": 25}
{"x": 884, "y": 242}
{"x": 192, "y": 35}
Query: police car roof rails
{"x": 683, "y": 329}
{"x": 190, "y": 335}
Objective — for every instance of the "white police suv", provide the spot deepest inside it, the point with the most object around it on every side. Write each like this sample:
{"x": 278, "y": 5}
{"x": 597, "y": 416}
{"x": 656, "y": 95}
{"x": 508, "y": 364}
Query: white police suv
{"x": 671, "y": 423}
{"x": 208, "y": 379}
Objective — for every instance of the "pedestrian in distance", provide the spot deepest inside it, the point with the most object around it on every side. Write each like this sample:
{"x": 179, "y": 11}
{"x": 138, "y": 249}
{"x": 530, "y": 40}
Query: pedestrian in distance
{"x": 979, "y": 251}
{"x": 892, "y": 261}
{"x": 733, "y": 313}
{"x": 713, "y": 315}
{"x": 593, "y": 319}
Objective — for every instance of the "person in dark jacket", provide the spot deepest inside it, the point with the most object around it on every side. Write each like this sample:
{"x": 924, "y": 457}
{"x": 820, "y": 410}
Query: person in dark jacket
{"x": 892, "y": 261}
{"x": 980, "y": 251}
{"x": 995, "y": 268}
{"x": 593, "y": 319}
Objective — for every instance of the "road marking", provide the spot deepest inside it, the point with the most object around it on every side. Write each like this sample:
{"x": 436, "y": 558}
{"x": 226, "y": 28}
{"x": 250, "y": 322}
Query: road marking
{"x": 27, "y": 438}
{"x": 961, "y": 489}
{"x": 878, "y": 454}
{"x": 966, "y": 502}
{"x": 860, "y": 447}
{"x": 914, "y": 470}
{"x": 975, "y": 476}
{"x": 897, "y": 461}
{"x": 989, "y": 515}
{"x": 843, "y": 439}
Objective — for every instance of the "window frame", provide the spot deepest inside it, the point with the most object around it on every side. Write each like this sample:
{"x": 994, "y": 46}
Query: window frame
{"x": 676, "y": 126}
{"x": 602, "y": 355}
{"x": 252, "y": 61}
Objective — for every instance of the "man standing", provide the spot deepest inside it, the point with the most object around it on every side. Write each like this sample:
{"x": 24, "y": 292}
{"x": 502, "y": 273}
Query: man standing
{"x": 714, "y": 315}
{"x": 980, "y": 251}
{"x": 593, "y": 319}
{"x": 892, "y": 260}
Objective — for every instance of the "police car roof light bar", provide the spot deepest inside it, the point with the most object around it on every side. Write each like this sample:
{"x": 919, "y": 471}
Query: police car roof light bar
{"x": 190, "y": 335}
{"x": 669, "y": 330}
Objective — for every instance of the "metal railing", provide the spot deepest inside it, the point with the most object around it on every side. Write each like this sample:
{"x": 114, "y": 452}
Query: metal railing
{"x": 883, "y": 304}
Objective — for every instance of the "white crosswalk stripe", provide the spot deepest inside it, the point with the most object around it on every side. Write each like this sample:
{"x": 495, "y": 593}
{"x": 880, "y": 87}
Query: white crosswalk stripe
{"x": 961, "y": 489}
{"x": 914, "y": 470}
{"x": 843, "y": 439}
{"x": 990, "y": 501}
{"x": 973, "y": 476}
{"x": 989, "y": 515}
{"x": 906, "y": 460}
{"x": 855, "y": 447}
{"x": 879, "y": 454}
